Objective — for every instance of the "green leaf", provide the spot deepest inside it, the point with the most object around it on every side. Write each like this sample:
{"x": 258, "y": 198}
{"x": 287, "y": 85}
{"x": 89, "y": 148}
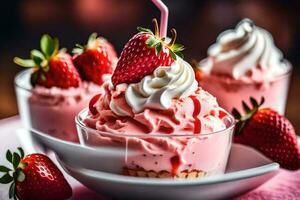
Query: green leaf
{"x": 177, "y": 47}
{"x": 6, "y": 178}
{"x": 16, "y": 160}
{"x": 152, "y": 41}
{"x": 24, "y": 62}
{"x": 245, "y": 107}
{"x": 158, "y": 48}
{"x": 34, "y": 78}
{"x": 4, "y": 169}
{"x": 43, "y": 77}
{"x": 79, "y": 46}
{"x": 173, "y": 55}
{"x": 20, "y": 176}
{"x": 21, "y": 152}
{"x": 63, "y": 50}
{"x": 262, "y": 101}
{"x": 44, "y": 65}
{"x": 179, "y": 54}
{"x": 9, "y": 156}
{"x": 56, "y": 47}
{"x": 77, "y": 51}
{"x": 92, "y": 38}
{"x": 36, "y": 56}
{"x": 253, "y": 102}
{"x": 47, "y": 45}
{"x": 141, "y": 29}
{"x": 236, "y": 113}
{"x": 12, "y": 190}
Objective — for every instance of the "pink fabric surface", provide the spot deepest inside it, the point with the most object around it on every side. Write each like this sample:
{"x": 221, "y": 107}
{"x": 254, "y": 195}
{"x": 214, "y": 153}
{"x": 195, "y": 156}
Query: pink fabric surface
{"x": 285, "y": 185}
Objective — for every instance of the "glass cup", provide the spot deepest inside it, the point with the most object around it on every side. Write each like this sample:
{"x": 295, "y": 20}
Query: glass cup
{"x": 230, "y": 92}
{"x": 162, "y": 155}
{"x": 51, "y": 111}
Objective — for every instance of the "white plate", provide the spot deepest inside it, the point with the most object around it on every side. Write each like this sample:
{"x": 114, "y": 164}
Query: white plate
{"x": 215, "y": 187}
{"x": 96, "y": 169}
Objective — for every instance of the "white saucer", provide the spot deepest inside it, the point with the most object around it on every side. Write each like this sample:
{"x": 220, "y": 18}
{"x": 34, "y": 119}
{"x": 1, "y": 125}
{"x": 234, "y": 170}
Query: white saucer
{"x": 241, "y": 177}
{"x": 97, "y": 170}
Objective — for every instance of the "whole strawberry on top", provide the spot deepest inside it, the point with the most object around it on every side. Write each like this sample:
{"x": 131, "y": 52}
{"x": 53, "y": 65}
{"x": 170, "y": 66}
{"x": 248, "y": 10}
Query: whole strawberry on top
{"x": 97, "y": 58}
{"x": 34, "y": 176}
{"x": 143, "y": 53}
{"x": 51, "y": 66}
{"x": 269, "y": 132}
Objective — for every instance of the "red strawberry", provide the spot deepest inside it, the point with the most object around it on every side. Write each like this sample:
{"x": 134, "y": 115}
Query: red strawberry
{"x": 34, "y": 177}
{"x": 51, "y": 66}
{"x": 269, "y": 132}
{"x": 95, "y": 59}
{"x": 143, "y": 53}
{"x": 197, "y": 70}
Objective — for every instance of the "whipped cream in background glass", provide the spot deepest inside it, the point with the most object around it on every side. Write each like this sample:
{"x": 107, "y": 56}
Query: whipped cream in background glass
{"x": 245, "y": 62}
{"x": 162, "y": 118}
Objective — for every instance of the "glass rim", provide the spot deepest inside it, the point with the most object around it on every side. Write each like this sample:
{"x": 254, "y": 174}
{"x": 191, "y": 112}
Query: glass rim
{"x": 81, "y": 125}
{"x": 18, "y": 76}
{"x": 287, "y": 73}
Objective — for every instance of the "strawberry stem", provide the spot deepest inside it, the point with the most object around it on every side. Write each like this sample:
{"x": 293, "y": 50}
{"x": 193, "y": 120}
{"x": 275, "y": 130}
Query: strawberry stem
{"x": 156, "y": 28}
{"x": 174, "y": 37}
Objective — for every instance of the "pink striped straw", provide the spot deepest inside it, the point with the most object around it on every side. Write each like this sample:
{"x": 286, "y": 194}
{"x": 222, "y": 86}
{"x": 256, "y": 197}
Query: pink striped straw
{"x": 164, "y": 13}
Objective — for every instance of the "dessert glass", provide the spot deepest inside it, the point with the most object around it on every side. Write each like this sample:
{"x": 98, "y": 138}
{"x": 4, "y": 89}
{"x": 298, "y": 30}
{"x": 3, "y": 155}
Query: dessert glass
{"x": 50, "y": 113}
{"x": 163, "y": 155}
{"x": 231, "y": 92}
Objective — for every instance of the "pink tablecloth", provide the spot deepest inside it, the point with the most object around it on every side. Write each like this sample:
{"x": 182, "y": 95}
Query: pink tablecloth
{"x": 285, "y": 185}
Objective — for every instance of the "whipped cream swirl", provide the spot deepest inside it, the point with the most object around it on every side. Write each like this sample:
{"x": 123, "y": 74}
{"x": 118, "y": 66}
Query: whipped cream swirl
{"x": 244, "y": 49}
{"x": 157, "y": 91}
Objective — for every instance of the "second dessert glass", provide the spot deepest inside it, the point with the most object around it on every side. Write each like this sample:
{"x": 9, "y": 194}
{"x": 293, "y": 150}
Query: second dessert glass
{"x": 244, "y": 62}
{"x": 231, "y": 92}
{"x": 163, "y": 155}
{"x": 52, "y": 111}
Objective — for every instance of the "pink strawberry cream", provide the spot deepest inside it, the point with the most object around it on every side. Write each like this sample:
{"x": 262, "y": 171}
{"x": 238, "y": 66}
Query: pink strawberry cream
{"x": 166, "y": 121}
{"x": 53, "y": 109}
{"x": 245, "y": 62}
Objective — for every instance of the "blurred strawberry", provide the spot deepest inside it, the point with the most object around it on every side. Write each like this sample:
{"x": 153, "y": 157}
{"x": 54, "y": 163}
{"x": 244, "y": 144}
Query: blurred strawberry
{"x": 95, "y": 59}
{"x": 51, "y": 67}
{"x": 34, "y": 176}
{"x": 269, "y": 132}
{"x": 143, "y": 53}
{"x": 197, "y": 70}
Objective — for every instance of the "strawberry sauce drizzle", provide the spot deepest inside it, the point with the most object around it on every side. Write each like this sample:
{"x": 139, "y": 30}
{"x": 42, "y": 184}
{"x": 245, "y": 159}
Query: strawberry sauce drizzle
{"x": 197, "y": 109}
{"x": 175, "y": 162}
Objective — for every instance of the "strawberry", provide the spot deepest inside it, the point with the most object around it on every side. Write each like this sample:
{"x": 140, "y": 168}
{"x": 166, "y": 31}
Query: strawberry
{"x": 143, "y": 53}
{"x": 95, "y": 59}
{"x": 51, "y": 67}
{"x": 34, "y": 177}
{"x": 198, "y": 72}
{"x": 269, "y": 132}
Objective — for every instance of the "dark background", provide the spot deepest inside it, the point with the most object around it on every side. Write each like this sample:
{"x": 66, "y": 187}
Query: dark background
{"x": 197, "y": 23}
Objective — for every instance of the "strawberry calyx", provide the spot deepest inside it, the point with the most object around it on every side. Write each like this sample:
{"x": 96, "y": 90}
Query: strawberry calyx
{"x": 13, "y": 175}
{"x": 157, "y": 42}
{"x": 249, "y": 113}
{"x": 39, "y": 60}
{"x": 79, "y": 49}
